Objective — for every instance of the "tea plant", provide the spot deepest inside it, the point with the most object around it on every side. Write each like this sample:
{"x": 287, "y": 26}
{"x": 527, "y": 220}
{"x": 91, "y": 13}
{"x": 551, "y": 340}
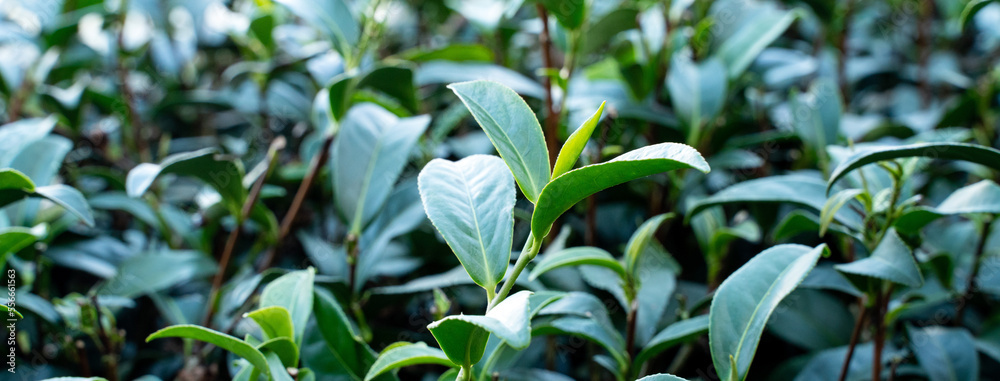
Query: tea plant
{"x": 336, "y": 190}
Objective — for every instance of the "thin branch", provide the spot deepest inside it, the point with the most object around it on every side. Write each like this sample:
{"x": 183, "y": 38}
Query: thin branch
{"x": 970, "y": 285}
{"x": 227, "y": 252}
{"x": 315, "y": 167}
{"x": 855, "y": 335}
{"x": 551, "y": 117}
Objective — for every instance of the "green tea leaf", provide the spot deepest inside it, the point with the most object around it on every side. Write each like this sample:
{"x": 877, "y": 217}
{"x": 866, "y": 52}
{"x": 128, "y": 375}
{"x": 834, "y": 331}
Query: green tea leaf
{"x": 970, "y": 11}
{"x": 399, "y": 355}
{"x": 294, "y": 292}
{"x": 833, "y": 206}
{"x": 219, "y": 339}
{"x": 576, "y": 256}
{"x": 571, "y": 149}
{"x": 343, "y": 341}
{"x": 571, "y": 187}
{"x": 333, "y": 18}
{"x": 275, "y": 321}
{"x": 743, "y": 46}
{"x": 981, "y": 197}
{"x": 661, "y": 377}
{"x": 892, "y": 260}
{"x": 676, "y": 333}
{"x": 744, "y": 302}
{"x": 285, "y": 348}
{"x": 15, "y": 186}
{"x": 370, "y": 152}
{"x": 946, "y": 354}
{"x": 640, "y": 240}
{"x": 978, "y": 154}
{"x": 589, "y": 329}
{"x": 697, "y": 91}
{"x": 792, "y": 189}
{"x": 513, "y": 129}
{"x": 223, "y": 174}
{"x": 571, "y": 14}
{"x": 463, "y": 337}
{"x": 471, "y": 204}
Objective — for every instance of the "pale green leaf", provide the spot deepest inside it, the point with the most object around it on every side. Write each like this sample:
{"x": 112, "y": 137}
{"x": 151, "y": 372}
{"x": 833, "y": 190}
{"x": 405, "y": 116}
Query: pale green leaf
{"x": 513, "y": 129}
{"x": 743, "y": 46}
{"x": 973, "y": 153}
{"x": 571, "y": 149}
{"x": 294, "y": 292}
{"x": 833, "y": 205}
{"x": 575, "y": 256}
{"x": 463, "y": 337}
{"x": 405, "y": 354}
{"x": 892, "y": 260}
{"x": 744, "y": 302}
{"x": 219, "y": 339}
{"x": 275, "y": 321}
{"x": 471, "y": 203}
{"x": 223, "y": 174}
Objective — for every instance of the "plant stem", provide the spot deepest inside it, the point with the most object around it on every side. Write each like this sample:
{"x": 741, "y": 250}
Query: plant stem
{"x": 855, "y": 335}
{"x": 227, "y": 252}
{"x": 842, "y": 46}
{"x": 924, "y": 48}
{"x": 970, "y": 285}
{"x": 877, "y": 319}
{"x": 317, "y": 164}
{"x": 465, "y": 373}
{"x": 551, "y": 118}
{"x": 530, "y": 250}
{"x": 630, "y": 321}
{"x": 108, "y": 347}
{"x": 134, "y": 133}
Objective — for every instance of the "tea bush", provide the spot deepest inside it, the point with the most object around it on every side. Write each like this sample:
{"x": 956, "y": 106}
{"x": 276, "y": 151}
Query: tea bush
{"x": 334, "y": 190}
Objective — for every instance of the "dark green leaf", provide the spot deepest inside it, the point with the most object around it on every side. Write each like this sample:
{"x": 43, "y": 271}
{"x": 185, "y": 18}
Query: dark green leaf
{"x": 224, "y": 341}
{"x": 223, "y": 174}
{"x": 946, "y": 354}
{"x": 978, "y": 154}
{"x": 566, "y": 190}
{"x": 677, "y": 333}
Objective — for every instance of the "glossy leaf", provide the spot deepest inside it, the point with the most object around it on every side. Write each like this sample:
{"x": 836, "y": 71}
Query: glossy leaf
{"x": 571, "y": 149}
{"x": 370, "y": 152}
{"x": 275, "y": 321}
{"x": 792, "y": 189}
{"x": 640, "y": 240}
{"x": 293, "y": 292}
{"x": 946, "y": 354}
{"x": 981, "y": 197}
{"x": 973, "y": 153}
{"x": 744, "y": 302}
{"x": 892, "y": 260}
{"x": 471, "y": 204}
{"x": 223, "y": 174}
{"x": 513, "y": 129}
{"x": 743, "y": 46}
{"x": 463, "y": 337}
{"x": 9, "y": 312}
{"x": 676, "y": 333}
{"x": 571, "y": 187}
{"x": 399, "y": 355}
{"x": 661, "y": 377}
{"x": 576, "y": 256}
{"x": 221, "y": 340}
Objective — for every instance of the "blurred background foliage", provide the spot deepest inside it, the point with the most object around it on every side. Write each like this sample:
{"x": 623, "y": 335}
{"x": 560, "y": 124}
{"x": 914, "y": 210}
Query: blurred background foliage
{"x": 94, "y": 89}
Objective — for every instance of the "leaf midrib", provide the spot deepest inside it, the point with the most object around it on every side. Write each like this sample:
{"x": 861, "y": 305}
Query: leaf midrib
{"x": 743, "y": 335}
{"x": 479, "y": 232}
{"x": 521, "y": 161}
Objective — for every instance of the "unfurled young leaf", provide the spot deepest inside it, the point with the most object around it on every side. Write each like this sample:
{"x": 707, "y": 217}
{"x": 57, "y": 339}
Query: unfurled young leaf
{"x": 224, "y": 341}
{"x": 513, "y": 129}
{"x": 15, "y": 186}
{"x": 833, "y": 205}
{"x": 463, "y": 337}
{"x": 401, "y": 354}
{"x": 640, "y": 240}
{"x": 576, "y": 256}
{"x": 892, "y": 260}
{"x": 571, "y": 149}
{"x": 972, "y": 153}
{"x": 571, "y": 187}
{"x": 744, "y": 302}
{"x": 471, "y": 204}
{"x": 294, "y": 293}
{"x": 371, "y": 150}
{"x": 274, "y": 321}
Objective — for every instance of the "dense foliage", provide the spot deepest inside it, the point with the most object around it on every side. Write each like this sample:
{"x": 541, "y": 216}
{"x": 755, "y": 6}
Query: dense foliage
{"x": 337, "y": 189}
